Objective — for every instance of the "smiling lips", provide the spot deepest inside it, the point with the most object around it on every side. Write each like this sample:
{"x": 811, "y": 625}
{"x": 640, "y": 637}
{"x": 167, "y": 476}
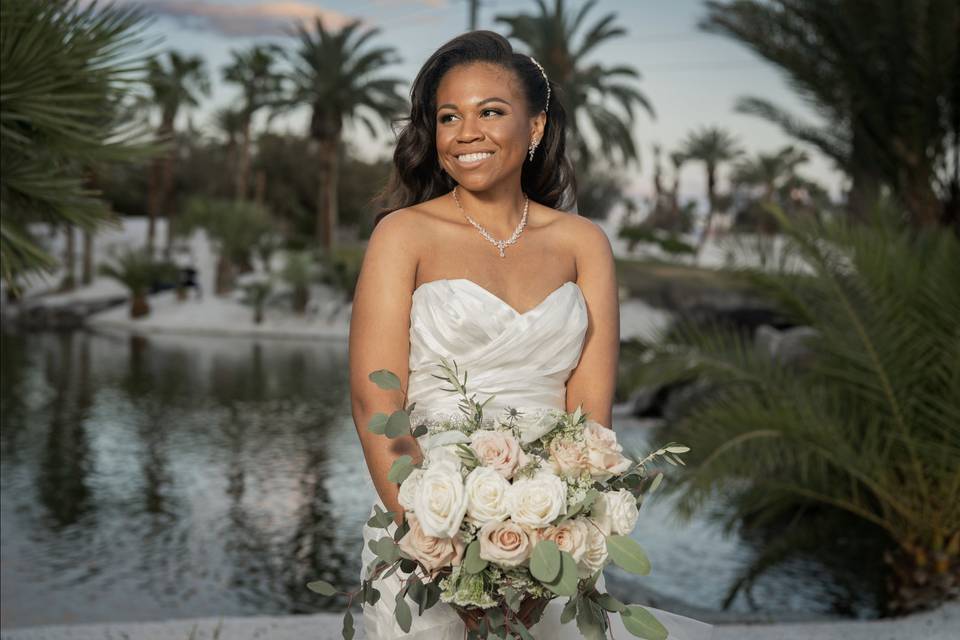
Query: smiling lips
{"x": 473, "y": 159}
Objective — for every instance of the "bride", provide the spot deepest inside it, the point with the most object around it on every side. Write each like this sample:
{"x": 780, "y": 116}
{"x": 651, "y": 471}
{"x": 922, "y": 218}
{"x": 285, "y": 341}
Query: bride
{"x": 478, "y": 262}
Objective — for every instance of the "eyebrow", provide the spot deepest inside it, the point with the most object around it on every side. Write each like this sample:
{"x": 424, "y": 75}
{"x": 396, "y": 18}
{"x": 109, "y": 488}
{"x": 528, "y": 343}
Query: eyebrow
{"x": 479, "y": 104}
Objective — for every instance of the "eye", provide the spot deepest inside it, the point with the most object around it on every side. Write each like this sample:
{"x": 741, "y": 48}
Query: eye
{"x": 445, "y": 118}
{"x": 494, "y": 111}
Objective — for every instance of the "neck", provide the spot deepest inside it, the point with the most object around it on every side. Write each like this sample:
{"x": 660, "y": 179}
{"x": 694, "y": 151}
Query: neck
{"x": 498, "y": 210}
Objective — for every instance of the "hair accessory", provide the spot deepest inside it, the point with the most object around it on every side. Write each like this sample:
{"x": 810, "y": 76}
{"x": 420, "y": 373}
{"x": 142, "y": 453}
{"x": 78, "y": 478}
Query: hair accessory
{"x": 546, "y": 107}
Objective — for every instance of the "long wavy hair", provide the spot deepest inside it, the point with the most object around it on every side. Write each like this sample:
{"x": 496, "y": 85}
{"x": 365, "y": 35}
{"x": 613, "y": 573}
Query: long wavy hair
{"x": 417, "y": 175}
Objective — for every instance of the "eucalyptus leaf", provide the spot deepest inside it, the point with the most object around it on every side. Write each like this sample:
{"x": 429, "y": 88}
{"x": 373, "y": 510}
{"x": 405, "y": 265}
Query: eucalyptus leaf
{"x": 398, "y": 424}
{"x": 545, "y": 562}
{"x": 400, "y": 469}
{"x": 385, "y": 549}
{"x": 472, "y": 562}
{"x": 590, "y": 621}
{"x": 566, "y": 582}
{"x": 415, "y": 589}
{"x": 420, "y": 431}
{"x": 381, "y": 519}
{"x": 642, "y": 624}
{"x": 322, "y": 587}
{"x": 402, "y": 613}
{"x": 385, "y": 379}
{"x": 569, "y": 610}
{"x": 678, "y": 448}
{"x": 628, "y": 555}
{"x": 431, "y": 596}
{"x": 512, "y": 597}
{"x": 407, "y": 565}
{"x": 378, "y": 423}
{"x": 610, "y": 603}
{"x": 657, "y": 480}
{"x": 348, "y": 625}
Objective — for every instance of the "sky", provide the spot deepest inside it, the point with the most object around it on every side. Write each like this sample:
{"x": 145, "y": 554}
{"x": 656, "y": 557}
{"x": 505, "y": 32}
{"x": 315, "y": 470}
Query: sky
{"x": 692, "y": 78}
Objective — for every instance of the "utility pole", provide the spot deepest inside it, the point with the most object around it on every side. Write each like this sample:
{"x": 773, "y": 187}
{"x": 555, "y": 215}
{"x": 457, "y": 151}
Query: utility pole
{"x": 474, "y": 6}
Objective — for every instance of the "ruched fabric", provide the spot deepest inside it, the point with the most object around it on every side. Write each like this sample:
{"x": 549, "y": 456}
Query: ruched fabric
{"x": 523, "y": 359}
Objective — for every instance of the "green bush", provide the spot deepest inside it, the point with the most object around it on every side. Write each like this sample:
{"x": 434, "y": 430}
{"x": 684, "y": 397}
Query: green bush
{"x": 867, "y": 427}
{"x": 138, "y": 272}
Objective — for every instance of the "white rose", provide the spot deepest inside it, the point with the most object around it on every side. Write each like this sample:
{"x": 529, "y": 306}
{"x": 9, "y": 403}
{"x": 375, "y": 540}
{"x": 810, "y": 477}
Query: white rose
{"x": 615, "y": 512}
{"x": 535, "y": 426}
{"x": 443, "y": 456}
{"x": 486, "y": 496}
{"x": 604, "y": 457}
{"x": 595, "y": 555}
{"x": 506, "y": 544}
{"x": 537, "y": 501}
{"x": 408, "y": 489}
{"x": 571, "y": 536}
{"x": 440, "y": 502}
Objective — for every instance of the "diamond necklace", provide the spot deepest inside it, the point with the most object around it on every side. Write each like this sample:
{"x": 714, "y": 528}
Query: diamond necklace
{"x": 499, "y": 244}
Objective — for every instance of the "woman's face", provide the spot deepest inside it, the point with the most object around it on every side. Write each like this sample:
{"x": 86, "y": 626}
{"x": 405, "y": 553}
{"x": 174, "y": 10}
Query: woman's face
{"x": 483, "y": 130}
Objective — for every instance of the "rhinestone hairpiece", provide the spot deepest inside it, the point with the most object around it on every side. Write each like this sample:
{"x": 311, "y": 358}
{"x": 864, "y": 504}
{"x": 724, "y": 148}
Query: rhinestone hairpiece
{"x": 546, "y": 108}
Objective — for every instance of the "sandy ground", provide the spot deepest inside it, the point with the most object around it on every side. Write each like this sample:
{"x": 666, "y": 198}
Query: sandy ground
{"x": 943, "y": 624}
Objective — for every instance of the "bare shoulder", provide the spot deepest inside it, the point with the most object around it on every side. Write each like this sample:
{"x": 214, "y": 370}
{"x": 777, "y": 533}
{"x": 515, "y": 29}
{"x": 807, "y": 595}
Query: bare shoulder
{"x": 586, "y": 239}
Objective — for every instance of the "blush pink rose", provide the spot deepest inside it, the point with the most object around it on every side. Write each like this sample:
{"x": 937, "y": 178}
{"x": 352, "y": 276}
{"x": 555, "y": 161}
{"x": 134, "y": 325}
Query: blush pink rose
{"x": 571, "y": 536}
{"x": 604, "y": 454}
{"x": 506, "y": 544}
{"x": 498, "y": 450}
{"x": 433, "y": 553}
{"x": 567, "y": 457}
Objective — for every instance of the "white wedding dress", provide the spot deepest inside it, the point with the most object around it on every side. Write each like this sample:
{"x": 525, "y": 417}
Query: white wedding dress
{"x": 524, "y": 359}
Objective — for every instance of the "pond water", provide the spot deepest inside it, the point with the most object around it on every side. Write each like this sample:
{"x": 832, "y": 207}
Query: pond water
{"x": 168, "y": 477}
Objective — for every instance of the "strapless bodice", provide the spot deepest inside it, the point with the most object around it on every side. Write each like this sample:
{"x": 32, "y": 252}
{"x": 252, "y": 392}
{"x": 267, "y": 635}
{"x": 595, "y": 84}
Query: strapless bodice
{"x": 523, "y": 359}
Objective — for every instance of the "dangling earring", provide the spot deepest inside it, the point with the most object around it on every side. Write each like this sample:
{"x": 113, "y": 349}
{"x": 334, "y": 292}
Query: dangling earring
{"x": 533, "y": 148}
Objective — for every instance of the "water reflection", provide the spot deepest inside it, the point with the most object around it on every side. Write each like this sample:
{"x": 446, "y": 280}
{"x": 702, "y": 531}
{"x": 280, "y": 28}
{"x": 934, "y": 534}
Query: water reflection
{"x": 170, "y": 477}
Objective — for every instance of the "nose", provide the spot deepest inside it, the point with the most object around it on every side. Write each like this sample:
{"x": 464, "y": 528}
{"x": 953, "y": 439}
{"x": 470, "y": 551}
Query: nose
{"x": 469, "y": 130}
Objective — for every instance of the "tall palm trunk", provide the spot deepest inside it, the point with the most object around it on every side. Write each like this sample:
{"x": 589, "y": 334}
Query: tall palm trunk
{"x": 154, "y": 203}
{"x": 712, "y": 203}
{"x": 327, "y": 178}
{"x": 243, "y": 166}
{"x": 169, "y": 163}
{"x": 87, "y": 274}
{"x": 70, "y": 260}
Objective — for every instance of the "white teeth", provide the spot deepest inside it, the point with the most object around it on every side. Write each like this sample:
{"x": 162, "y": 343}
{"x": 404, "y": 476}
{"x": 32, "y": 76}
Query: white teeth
{"x": 473, "y": 157}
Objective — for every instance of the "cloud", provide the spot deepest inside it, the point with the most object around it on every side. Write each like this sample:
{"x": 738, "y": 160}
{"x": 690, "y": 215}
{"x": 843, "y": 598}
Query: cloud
{"x": 235, "y": 21}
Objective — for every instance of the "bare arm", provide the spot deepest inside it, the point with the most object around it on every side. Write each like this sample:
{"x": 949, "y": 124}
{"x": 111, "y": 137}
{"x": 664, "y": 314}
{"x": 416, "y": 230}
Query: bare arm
{"x": 380, "y": 339}
{"x": 594, "y": 380}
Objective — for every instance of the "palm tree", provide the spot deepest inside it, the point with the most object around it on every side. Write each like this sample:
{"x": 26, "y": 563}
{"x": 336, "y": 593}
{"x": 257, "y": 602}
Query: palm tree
{"x": 229, "y": 123}
{"x": 175, "y": 84}
{"x": 884, "y": 76}
{"x": 768, "y": 171}
{"x": 712, "y": 146}
{"x": 252, "y": 70}
{"x": 64, "y": 73}
{"x": 860, "y": 435}
{"x": 589, "y": 90}
{"x": 338, "y": 77}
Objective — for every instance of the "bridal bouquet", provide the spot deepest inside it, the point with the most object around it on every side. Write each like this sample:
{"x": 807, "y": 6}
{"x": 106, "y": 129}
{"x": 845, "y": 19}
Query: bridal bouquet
{"x": 505, "y": 514}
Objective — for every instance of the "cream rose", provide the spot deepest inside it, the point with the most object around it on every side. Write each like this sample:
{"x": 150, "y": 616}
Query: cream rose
{"x": 443, "y": 455}
{"x": 408, "y": 489}
{"x": 604, "y": 457}
{"x": 432, "y": 552}
{"x": 486, "y": 496}
{"x": 506, "y": 544}
{"x": 595, "y": 554}
{"x": 440, "y": 502}
{"x": 570, "y": 536}
{"x": 499, "y": 450}
{"x": 536, "y": 425}
{"x": 567, "y": 457}
{"x": 537, "y": 501}
{"x": 615, "y": 512}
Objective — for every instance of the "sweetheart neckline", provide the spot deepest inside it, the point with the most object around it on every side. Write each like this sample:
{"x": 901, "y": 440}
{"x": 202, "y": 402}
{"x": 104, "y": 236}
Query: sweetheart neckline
{"x": 498, "y": 298}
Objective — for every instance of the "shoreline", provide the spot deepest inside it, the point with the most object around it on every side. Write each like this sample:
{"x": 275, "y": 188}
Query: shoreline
{"x": 939, "y": 624}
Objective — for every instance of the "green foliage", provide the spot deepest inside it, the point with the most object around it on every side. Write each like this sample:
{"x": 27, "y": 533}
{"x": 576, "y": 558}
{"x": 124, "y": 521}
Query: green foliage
{"x": 137, "y": 271}
{"x": 235, "y": 227}
{"x": 341, "y": 269}
{"x": 884, "y": 77}
{"x": 628, "y": 555}
{"x": 65, "y": 70}
{"x": 868, "y": 425}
